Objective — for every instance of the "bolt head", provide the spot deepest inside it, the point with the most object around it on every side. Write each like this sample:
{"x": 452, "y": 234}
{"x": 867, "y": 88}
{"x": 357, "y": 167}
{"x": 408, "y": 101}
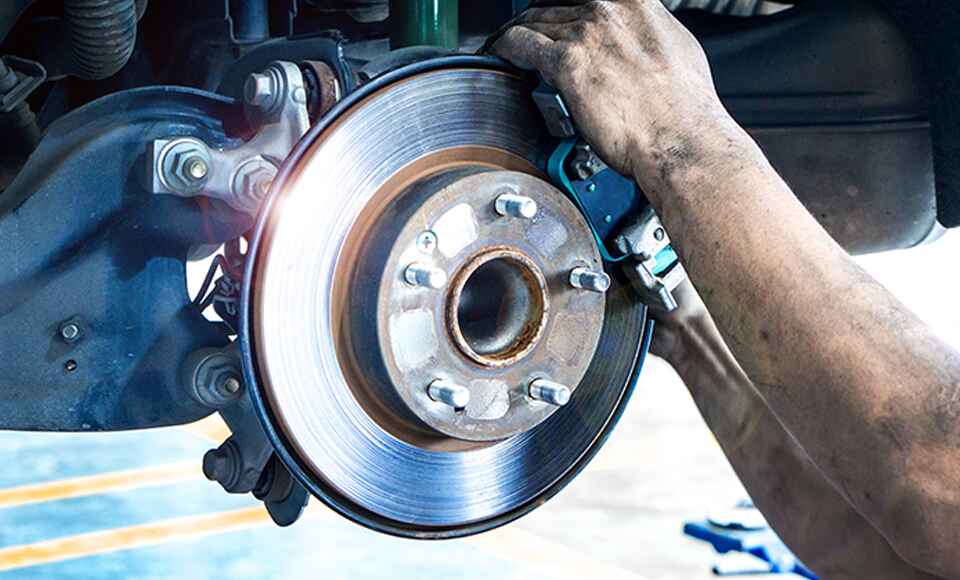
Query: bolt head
{"x": 251, "y": 183}
{"x": 232, "y": 385}
{"x": 70, "y": 332}
{"x": 259, "y": 90}
{"x": 185, "y": 166}
{"x": 427, "y": 242}
{"x": 659, "y": 234}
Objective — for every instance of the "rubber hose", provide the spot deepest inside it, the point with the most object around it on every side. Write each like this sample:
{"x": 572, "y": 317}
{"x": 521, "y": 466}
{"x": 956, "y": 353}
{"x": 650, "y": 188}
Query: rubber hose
{"x": 102, "y": 35}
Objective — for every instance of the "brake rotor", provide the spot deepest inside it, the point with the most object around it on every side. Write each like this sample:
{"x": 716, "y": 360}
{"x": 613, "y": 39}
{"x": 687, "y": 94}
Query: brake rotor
{"x": 397, "y": 313}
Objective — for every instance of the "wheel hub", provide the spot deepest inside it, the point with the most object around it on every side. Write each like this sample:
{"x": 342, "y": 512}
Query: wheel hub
{"x": 492, "y": 312}
{"x": 417, "y": 330}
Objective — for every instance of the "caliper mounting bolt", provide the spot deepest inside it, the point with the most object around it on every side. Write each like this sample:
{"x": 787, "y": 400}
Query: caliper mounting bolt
{"x": 425, "y": 276}
{"x": 549, "y": 392}
{"x": 517, "y": 206}
{"x": 448, "y": 393}
{"x": 586, "y": 279}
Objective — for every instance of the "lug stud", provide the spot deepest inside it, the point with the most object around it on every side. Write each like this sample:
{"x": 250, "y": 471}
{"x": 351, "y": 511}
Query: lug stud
{"x": 425, "y": 276}
{"x": 586, "y": 279}
{"x": 549, "y": 392}
{"x": 518, "y": 206}
{"x": 450, "y": 394}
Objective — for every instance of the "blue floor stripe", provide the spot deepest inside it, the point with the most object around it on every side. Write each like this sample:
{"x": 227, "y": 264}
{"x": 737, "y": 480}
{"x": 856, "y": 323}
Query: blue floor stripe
{"x": 57, "y": 519}
{"x": 39, "y": 457}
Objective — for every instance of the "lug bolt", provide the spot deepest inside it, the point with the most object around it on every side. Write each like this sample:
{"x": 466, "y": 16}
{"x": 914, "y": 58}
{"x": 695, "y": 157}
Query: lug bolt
{"x": 450, "y": 394}
{"x": 549, "y": 392}
{"x": 425, "y": 276}
{"x": 518, "y": 206}
{"x": 427, "y": 242}
{"x": 586, "y": 279}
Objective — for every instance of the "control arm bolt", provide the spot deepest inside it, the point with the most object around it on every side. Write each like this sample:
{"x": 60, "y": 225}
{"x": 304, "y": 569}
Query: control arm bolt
{"x": 450, "y": 394}
{"x": 260, "y": 90}
{"x": 518, "y": 206}
{"x": 549, "y": 392}
{"x": 425, "y": 276}
{"x": 586, "y": 279}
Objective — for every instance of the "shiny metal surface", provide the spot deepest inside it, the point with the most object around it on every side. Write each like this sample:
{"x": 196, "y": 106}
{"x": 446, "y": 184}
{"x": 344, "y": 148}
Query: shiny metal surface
{"x": 334, "y": 444}
{"x": 550, "y": 392}
{"x": 506, "y": 317}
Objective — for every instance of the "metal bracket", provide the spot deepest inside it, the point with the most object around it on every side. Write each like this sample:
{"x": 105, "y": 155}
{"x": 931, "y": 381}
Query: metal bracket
{"x": 657, "y": 271}
{"x": 274, "y": 100}
{"x": 29, "y": 75}
{"x": 554, "y": 111}
{"x": 245, "y": 462}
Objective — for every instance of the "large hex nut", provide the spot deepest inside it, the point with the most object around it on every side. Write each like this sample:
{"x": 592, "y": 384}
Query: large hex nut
{"x": 214, "y": 378}
{"x": 184, "y": 165}
{"x": 251, "y": 182}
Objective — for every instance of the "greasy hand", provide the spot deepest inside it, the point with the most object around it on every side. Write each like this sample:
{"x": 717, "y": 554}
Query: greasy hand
{"x": 636, "y": 81}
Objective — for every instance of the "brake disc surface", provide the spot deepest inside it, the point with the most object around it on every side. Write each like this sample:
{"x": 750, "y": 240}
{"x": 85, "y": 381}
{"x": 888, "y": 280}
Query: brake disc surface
{"x": 340, "y": 384}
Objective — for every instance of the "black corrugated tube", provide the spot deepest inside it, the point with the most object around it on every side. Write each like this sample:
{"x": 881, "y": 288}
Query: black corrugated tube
{"x": 102, "y": 35}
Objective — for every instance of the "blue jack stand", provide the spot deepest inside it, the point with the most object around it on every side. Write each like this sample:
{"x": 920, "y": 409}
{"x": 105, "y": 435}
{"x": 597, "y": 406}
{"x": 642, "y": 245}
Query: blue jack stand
{"x": 743, "y": 530}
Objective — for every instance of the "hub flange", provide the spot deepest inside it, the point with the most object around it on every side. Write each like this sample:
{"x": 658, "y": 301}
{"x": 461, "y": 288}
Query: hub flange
{"x": 506, "y": 316}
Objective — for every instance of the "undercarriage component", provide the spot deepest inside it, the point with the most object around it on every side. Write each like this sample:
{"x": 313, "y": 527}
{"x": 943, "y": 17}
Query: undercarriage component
{"x": 476, "y": 373}
{"x": 102, "y": 35}
{"x": 275, "y": 102}
{"x": 84, "y": 241}
{"x": 18, "y": 79}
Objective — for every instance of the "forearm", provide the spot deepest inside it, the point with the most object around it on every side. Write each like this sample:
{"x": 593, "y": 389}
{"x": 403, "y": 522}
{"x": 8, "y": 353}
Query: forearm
{"x": 825, "y": 532}
{"x": 865, "y": 388}
{"x": 837, "y": 358}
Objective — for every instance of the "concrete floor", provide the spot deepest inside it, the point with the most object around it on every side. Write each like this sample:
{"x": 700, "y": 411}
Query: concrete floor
{"x": 135, "y": 505}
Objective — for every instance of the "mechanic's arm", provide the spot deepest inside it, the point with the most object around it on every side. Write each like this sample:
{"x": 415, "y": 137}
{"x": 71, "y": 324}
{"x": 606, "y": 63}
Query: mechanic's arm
{"x": 869, "y": 392}
{"x": 821, "y": 528}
